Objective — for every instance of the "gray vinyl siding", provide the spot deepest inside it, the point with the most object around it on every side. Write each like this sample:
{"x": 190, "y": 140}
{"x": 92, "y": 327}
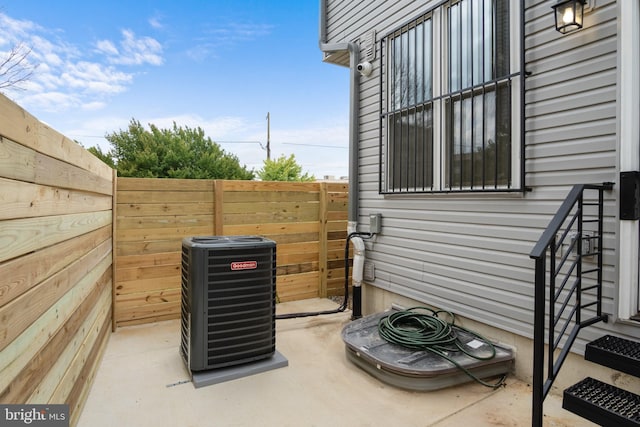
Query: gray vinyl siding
{"x": 470, "y": 253}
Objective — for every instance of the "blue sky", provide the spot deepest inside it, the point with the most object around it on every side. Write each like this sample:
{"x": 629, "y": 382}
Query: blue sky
{"x": 219, "y": 65}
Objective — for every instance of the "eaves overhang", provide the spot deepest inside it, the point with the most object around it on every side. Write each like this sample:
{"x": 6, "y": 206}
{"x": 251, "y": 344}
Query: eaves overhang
{"x": 340, "y": 57}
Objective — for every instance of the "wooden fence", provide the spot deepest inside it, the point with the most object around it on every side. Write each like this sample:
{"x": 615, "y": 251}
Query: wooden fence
{"x": 55, "y": 263}
{"x": 308, "y": 221}
{"x": 62, "y": 287}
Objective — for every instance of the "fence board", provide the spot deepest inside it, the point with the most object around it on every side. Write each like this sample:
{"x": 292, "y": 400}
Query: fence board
{"x": 271, "y": 186}
{"x": 147, "y": 313}
{"x": 143, "y": 299}
{"x": 296, "y": 258}
{"x": 149, "y": 260}
{"x": 306, "y": 238}
{"x": 126, "y": 210}
{"x": 238, "y": 197}
{"x": 301, "y": 267}
{"x": 170, "y": 233}
{"x": 64, "y": 175}
{"x": 271, "y": 229}
{"x": 21, "y": 236}
{"x": 150, "y": 247}
{"x": 27, "y": 200}
{"x": 147, "y": 285}
{"x": 163, "y": 221}
{"x": 159, "y": 196}
{"x": 146, "y": 184}
{"x": 162, "y": 315}
{"x": 298, "y": 248}
{"x": 147, "y": 272}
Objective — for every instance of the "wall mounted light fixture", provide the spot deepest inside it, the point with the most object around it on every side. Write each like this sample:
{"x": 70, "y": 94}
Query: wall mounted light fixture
{"x": 568, "y": 14}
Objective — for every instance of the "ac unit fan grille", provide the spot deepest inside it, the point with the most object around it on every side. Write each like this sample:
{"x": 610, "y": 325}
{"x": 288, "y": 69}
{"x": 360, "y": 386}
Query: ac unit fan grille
{"x": 241, "y": 306}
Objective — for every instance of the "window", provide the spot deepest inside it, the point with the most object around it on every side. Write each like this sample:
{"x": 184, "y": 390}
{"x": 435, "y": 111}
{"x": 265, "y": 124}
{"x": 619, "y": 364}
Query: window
{"x": 450, "y": 107}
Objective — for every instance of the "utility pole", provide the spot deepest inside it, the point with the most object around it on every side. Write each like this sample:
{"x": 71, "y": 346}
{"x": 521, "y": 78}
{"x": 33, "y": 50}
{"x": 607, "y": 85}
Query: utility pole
{"x": 268, "y": 136}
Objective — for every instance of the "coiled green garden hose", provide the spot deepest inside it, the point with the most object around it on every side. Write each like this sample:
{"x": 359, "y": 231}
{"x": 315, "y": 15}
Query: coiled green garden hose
{"x": 415, "y": 329}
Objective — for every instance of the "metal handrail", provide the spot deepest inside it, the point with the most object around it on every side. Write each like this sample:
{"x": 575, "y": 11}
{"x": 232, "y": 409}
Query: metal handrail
{"x": 560, "y": 249}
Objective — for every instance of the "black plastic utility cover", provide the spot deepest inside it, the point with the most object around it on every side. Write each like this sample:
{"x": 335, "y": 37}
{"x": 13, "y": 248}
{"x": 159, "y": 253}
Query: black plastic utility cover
{"x": 630, "y": 195}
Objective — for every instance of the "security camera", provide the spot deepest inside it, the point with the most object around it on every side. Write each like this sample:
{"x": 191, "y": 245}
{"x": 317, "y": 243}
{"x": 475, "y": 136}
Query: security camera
{"x": 365, "y": 68}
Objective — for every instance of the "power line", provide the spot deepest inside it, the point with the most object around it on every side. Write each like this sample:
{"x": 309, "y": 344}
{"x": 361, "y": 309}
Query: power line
{"x": 314, "y": 145}
{"x": 242, "y": 142}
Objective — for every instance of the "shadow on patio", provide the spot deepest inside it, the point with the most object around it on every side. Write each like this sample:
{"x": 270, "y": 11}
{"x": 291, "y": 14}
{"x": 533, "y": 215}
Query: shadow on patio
{"x": 142, "y": 381}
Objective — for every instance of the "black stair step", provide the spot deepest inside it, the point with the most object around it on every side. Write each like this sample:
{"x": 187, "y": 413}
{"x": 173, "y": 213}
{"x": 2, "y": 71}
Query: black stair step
{"x": 614, "y": 352}
{"x": 602, "y": 403}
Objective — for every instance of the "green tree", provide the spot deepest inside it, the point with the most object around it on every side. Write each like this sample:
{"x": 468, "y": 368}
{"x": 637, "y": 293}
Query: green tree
{"x": 105, "y": 157}
{"x": 283, "y": 169}
{"x": 179, "y": 152}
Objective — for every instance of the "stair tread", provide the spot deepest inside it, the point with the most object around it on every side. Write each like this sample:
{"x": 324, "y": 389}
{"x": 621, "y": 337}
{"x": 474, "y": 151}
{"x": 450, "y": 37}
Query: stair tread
{"x": 603, "y": 403}
{"x": 615, "y": 352}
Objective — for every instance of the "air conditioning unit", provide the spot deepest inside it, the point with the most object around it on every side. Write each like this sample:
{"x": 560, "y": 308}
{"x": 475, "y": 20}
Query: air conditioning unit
{"x": 228, "y": 301}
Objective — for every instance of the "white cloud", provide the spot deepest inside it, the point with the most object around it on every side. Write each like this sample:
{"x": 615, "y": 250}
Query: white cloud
{"x": 51, "y": 101}
{"x": 93, "y": 106}
{"x": 235, "y": 32}
{"x": 42, "y": 47}
{"x": 217, "y": 37}
{"x": 52, "y": 59}
{"x": 242, "y": 31}
{"x": 155, "y": 22}
{"x": 94, "y": 77}
{"x": 68, "y": 74}
{"x": 201, "y": 52}
{"x": 15, "y": 27}
{"x": 133, "y": 50}
{"x": 106, "y": 47}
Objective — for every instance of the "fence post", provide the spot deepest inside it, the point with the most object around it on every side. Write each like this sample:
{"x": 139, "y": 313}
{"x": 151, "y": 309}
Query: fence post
{"x": 323, "y": 243}
{"x": 218, "y": 207}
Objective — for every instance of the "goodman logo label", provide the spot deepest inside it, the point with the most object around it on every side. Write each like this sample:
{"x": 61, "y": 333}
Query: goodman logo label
{"x": 244, "y": 265}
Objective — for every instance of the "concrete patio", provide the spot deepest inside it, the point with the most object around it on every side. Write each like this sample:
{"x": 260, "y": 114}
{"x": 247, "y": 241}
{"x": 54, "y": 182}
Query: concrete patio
{"x": 142, "y": 381}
